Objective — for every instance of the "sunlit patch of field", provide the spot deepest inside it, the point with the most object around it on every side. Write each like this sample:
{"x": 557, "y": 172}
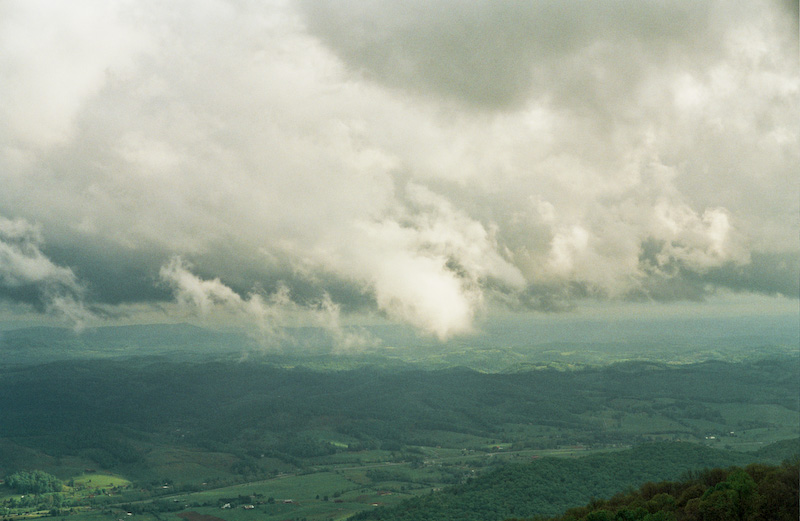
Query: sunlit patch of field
{"x": 99, "y": 480}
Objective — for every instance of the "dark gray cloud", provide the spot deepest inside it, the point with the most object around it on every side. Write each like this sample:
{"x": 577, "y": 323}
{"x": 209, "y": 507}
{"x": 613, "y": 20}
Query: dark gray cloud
{"x": 112, "y": 276}
{"x": 773, "y": 274}
{"x": 766, "y": 273}
{"x": 498, "y": 54}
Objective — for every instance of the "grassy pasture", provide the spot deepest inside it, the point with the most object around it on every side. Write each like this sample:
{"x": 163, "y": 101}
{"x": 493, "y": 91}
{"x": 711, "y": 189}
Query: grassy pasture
{"x": 774, "y": 415}
{"x": 189, "y": 465}
{"x": 641, "y": 423}
{"x": 97, "y": 480}
{"x": 296, "y": 487}
{"x": 364, "y": 457}
{"x": 295, "y": 496}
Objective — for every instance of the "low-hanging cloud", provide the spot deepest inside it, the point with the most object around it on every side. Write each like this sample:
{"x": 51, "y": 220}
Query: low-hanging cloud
{"x": 23, "y": 266}
{"x": 425, "y": 262}
{"x": 422, "y": 161}
{"x": 22, "y": 261}
{"x": 272, "y": 313}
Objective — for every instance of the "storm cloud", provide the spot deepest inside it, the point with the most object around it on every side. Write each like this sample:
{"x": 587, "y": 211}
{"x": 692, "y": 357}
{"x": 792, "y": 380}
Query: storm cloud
{"x": 422, "y": 161}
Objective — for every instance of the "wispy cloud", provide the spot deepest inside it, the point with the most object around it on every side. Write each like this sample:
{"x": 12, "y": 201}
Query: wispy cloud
{"x": 270, "y": 313}
{"x": 24, "y": 266}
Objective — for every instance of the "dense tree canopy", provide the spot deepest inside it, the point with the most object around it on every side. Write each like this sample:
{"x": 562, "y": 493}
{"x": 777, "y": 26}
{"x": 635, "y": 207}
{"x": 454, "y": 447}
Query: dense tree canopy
{"x": 755, "y": 493}
{"x": 33, "y": 482}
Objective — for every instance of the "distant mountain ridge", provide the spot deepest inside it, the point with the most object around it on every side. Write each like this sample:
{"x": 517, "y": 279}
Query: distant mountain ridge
{"x": 501, "y": 347}
{"x": 43, "y": 344}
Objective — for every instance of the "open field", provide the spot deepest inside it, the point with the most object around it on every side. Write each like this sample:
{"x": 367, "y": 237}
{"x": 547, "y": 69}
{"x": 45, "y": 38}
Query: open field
{"x": 99, "y": 481}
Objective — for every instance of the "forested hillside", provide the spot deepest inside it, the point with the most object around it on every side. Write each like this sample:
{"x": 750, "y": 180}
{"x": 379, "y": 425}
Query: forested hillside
{"x": 550, "y": 486}
{"x": 756, "y": 493}
{"x": 105, "y": 405}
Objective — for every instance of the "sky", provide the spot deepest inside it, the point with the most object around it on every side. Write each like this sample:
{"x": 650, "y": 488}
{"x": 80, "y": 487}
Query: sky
{"x": 427, "y": 163}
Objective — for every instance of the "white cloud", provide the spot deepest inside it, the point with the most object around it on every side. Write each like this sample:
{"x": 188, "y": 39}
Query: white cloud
{"x": 271, "y": 314}
{"x": 55, "y": 56}
{"x": 363, "y": 155}
{"x": 70, "y": 307}
{"x": 699, "y": 241}
{"x": 22, "y": 261}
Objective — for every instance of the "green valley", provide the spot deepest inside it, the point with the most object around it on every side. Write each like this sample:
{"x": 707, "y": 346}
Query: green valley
{"x": 265, "y": 439}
